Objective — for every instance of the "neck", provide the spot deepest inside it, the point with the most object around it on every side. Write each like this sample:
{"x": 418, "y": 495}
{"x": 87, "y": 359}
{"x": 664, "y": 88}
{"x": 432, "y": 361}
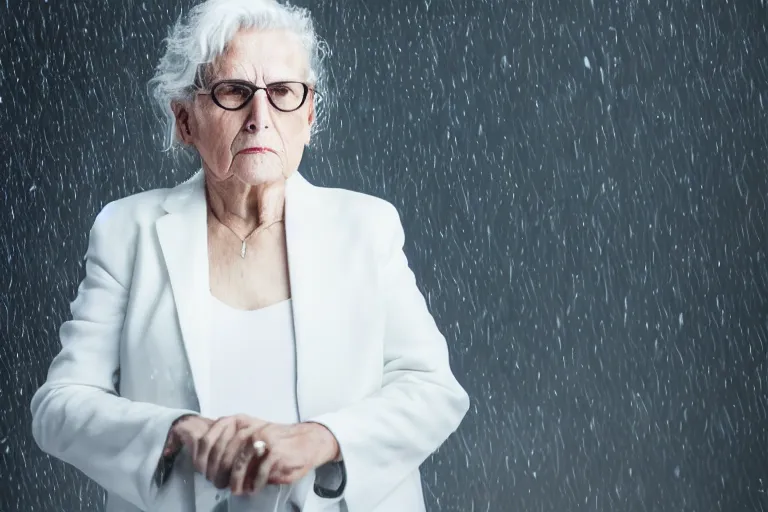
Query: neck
{"x": 245, "y": 207}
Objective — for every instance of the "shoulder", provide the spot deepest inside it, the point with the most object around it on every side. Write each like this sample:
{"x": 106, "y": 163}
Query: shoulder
{"x": 369, "y": 211}
{"x": 119, "y": 226}
{"x": 116, "y": 231}
{"x": 132, "y": 211}
{"x": 367, "y": 221}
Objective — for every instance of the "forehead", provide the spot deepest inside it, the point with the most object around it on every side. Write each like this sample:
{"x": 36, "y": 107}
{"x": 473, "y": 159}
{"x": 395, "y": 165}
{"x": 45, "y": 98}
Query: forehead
{"x": 266, "y": 55}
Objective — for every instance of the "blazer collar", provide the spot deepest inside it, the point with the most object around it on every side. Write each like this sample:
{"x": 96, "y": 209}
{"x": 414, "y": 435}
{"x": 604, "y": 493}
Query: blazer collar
{"x": 183, "y": 237}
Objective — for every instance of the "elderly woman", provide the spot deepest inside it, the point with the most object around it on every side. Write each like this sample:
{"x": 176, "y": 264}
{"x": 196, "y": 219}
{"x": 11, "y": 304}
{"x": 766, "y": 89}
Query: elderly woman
{"x": 247, "y": 341}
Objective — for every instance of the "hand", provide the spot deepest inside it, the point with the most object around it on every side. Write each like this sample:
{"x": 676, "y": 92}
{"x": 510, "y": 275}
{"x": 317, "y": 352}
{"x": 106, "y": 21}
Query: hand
{"x": 292, "y": 451}
{"x": 216, "y": 446}
{"x": 212, "y": 444}
{"x": 186, "y": 431}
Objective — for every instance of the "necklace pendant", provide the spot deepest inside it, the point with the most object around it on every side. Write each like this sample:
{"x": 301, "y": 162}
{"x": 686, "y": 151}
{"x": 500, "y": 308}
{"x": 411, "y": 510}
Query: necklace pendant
{"x": 242, "y": 250}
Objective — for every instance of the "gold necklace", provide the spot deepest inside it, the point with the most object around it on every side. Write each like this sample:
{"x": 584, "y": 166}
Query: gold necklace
{"x": 244, "y": 246}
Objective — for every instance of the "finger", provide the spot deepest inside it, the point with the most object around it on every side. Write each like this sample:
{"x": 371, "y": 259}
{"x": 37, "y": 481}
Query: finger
{"x": 280, "y": 475}
{"x": 218, "y": 470}
{"x": 246, "y": 461}
{"x": 285, "y": 472}
{"x": 244, "y": 421}
{"x": 189, "y": 433}
{"x": 262, "y": 474}
{"x": 232, "y": 457}
{"x": 204, "y": 443}
{"x": 172, "y": 444}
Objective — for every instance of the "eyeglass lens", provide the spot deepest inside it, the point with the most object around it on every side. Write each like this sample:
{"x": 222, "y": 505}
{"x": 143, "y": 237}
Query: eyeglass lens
{"x": 284, "y": 96}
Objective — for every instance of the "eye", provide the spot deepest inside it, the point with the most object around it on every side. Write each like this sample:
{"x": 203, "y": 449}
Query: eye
{"x": 233, "y": 90}
{"x": 279, "y": 90}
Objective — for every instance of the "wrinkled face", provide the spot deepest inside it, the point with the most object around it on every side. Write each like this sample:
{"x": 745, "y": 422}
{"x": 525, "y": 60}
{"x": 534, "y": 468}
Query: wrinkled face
{"x": 226, "y": 139}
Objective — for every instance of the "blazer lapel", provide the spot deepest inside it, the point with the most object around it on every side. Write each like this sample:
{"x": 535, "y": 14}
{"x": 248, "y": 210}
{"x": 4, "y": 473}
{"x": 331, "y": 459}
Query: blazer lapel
{"x": 306, "y": 245}
{"x": 328, "y": 272}
{"x": 183, "y": 236}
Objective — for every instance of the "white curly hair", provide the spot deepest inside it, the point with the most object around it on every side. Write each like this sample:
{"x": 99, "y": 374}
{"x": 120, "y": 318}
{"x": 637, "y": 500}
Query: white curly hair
{"x": 198, "y": 38}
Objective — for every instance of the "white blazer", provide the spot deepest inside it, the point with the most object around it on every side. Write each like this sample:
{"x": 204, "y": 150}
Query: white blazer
{"x": 371, "y": 363}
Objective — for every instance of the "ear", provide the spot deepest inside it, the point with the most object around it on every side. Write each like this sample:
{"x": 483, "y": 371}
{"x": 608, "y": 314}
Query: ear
{"x": 311, "y": 118}
{"x": 183, "y": 129}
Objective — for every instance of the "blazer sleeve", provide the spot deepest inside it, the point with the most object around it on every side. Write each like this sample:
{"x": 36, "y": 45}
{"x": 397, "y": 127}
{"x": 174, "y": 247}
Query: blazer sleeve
{"x": 77, "y": 415}
{"x": 387, "y": 436}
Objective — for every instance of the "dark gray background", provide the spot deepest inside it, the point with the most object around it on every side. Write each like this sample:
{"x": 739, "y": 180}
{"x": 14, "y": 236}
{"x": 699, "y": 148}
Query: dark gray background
{"x": 583, "y": 187}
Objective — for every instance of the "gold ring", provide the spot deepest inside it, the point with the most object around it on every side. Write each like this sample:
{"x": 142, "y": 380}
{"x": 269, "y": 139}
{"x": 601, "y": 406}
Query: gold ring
{"x": 260, "y": 447}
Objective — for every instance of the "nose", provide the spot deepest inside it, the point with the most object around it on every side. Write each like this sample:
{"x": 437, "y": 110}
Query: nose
{"x": 258, "y": 113}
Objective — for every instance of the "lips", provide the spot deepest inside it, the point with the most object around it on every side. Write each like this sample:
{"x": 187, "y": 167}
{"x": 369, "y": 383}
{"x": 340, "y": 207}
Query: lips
{"x": 256, "y": 150}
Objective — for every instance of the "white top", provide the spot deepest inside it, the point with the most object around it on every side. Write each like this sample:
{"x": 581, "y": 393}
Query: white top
{"x": 253, "y": 372}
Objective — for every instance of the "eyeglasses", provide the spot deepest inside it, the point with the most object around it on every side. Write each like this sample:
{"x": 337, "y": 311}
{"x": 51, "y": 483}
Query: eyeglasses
{"x": 235, "y": 94}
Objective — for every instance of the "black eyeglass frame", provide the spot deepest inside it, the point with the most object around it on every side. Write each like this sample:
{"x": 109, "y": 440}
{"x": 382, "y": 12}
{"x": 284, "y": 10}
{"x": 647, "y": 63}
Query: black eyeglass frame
{"x": 254, "y": 89}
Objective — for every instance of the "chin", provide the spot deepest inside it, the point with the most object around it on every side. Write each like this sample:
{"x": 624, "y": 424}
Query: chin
{"x": 260, "y": 175}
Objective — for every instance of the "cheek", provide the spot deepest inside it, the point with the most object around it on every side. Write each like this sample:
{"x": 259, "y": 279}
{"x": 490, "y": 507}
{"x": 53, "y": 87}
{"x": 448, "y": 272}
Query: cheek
{"x": 295, "y": 153}
{"x": 299, "y": 130}
{"x": 216, "y": 133}
{"x": 294, "y": 139}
